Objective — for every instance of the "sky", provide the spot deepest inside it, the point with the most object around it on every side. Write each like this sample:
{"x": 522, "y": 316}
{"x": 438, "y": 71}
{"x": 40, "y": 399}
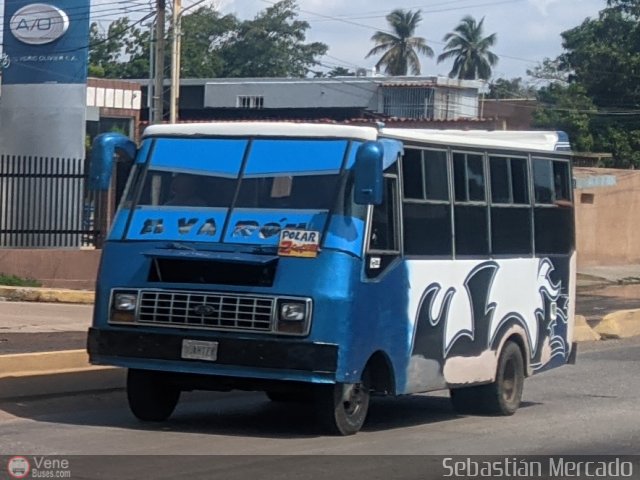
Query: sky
{"x": 527, "y": 30}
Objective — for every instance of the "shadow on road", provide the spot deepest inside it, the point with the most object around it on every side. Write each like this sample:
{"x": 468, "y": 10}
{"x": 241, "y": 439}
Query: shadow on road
{"x": 231, "y": 414}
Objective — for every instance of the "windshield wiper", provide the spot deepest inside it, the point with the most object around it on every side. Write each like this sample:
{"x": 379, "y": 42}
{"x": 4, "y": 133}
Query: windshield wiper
{"x": 181, "y": 246}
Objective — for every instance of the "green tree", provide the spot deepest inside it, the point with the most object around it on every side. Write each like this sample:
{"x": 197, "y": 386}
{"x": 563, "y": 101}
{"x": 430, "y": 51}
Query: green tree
{"x": 550, "y": 70}
{"x": 205, "y": 35}
{"x": 601, "y": 62}
{"x": 401, "y": 49}
{"x": 341, "y": 72}
{"x": 469, "y": 50}
{"x": 272, "y": 45}
{"x": 105, "y": 49}
{"x": 121, "y": 52}
{"x": 604, "y": 56}
{"x": 566, "y": 108}
{"x": 510, "y": 88}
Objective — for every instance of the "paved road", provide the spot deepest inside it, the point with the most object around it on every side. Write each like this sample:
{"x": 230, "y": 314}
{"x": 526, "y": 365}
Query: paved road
{"x": 39, "y": 327}
{"x": 590, "y": 408}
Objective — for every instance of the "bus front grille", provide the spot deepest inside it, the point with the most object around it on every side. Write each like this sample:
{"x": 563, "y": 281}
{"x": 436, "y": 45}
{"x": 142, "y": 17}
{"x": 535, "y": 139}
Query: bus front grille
{"x": 206, "y": 310}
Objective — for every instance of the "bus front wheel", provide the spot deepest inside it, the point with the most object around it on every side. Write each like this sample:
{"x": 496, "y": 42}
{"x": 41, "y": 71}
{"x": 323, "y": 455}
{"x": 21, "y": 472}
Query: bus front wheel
{"x": 502, "y": 397}
{"x": 150, "y": 398}
{"x": 342, "y": 408}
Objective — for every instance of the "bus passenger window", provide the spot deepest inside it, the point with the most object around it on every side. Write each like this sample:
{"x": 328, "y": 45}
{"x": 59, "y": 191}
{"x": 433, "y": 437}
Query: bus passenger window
{"x": 509, "y": 183}
{"x": 475, "y": 176}
{"x": 436, "y": 179}
{"x": 500, "y": 181}
{"x": 562, "y": 183}
{"x": 412, "y": 174}
{"x": 468, "y": 177}
{"x": 543, "y": 181}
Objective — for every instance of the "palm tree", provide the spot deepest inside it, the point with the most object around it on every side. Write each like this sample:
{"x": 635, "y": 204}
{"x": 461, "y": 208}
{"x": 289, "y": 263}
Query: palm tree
{"x": 400, "y": 49}
{"x": 472, "y": 58}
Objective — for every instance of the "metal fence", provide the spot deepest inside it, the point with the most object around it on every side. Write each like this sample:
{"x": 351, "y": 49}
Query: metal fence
{"x": 44, "y": 203}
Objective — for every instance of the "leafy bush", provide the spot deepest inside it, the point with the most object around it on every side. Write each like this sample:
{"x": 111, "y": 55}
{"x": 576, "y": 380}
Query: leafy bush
{"x": 14, "y": 281}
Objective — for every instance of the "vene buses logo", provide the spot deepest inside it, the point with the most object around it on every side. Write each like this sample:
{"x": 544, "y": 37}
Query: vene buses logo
{"x": 38, "y": 24}
{"x": 18, "y": 467}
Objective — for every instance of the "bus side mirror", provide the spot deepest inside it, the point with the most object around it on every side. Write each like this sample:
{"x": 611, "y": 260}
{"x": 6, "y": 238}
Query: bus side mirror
{"x": 103, "y": 150}
{"x": 368, "y": 174}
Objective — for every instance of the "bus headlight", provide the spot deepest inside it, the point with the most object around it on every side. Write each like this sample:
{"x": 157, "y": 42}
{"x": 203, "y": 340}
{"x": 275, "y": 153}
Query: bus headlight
{"x": 123, "y": 307}
{"x": 293, "y": 316}
{"x": 292, "y": 311}
{"x": 125, "y": 302}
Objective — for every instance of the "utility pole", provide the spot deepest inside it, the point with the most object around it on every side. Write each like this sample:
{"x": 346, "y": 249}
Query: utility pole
{"x": 158, "y": 90}
{"x": 175, "y": 60}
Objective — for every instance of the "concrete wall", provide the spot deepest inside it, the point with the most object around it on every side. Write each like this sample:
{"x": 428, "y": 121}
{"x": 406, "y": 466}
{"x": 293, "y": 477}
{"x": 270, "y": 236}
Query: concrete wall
{"x": 53, "y": 268}
{"x": 294, "y": 94}
{"x": 516, "y": 113}
{"x": 607, "y": 214}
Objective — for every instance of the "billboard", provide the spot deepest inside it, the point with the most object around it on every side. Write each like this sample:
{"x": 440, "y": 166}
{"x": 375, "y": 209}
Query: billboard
{"x": 45, "y": 42}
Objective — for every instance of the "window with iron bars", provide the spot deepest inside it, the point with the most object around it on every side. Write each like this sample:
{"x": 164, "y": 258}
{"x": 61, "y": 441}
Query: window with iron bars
{"x": 250, "y": 101}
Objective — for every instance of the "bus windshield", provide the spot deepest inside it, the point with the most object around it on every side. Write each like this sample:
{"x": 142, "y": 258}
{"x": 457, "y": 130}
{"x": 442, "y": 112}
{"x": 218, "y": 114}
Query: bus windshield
{"x": 240, "y": 186}
{"x": 279, "y": 174}
{"x": 315, "y": 191}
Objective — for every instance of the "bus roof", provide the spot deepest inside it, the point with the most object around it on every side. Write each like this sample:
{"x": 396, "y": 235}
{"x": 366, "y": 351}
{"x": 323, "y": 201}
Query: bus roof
{"x": 270, "y": 129}
{"x": 549, "y": 141}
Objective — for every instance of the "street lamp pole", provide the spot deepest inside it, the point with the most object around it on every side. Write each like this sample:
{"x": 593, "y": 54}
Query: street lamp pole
{"x": 175, "y": 61}
{"x": 158, "y": 90}
{"x": 175, "y": 56}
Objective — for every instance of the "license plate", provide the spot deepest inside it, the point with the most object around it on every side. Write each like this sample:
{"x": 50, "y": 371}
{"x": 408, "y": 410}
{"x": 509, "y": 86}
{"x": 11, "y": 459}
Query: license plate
{"x": 199, "y": 350}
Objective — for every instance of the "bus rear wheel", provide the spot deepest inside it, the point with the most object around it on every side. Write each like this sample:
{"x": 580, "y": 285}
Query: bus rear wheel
{"x": 503, "y": 396}
{"x": 342, "y": 408}
{"x": 150, "y": 398}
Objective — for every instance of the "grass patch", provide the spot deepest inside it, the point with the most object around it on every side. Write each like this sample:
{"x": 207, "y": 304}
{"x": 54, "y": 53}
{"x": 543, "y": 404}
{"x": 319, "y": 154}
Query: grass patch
{"x": 15, "y": 281}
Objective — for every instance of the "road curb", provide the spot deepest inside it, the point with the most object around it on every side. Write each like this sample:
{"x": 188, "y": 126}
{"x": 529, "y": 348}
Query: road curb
{"x": 36, "y": 362}
{"x": 54, "y": 373}
{"x": 620, "y": 324}
{"x": 582, "y": 332}
{"x": 54, "y": 295}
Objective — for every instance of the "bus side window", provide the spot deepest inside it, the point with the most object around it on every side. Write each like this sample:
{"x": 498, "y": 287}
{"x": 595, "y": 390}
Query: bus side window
{"x": 553, "y": 212}
{"x": 384, "y": 243}
{"x": 426, "y": 207}
{"x": 471, "y": 219}
{"x": 383, "y": 223}
{"x": 543, "y": 183}
{"x": 511, "y": 224}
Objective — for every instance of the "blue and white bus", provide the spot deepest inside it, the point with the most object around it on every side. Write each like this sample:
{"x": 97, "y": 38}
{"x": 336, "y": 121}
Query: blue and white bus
{"x": 328, "y": 263}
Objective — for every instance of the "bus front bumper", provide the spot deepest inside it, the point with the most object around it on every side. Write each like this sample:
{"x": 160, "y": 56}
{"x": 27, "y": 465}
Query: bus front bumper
{"x": 266, "y": 358}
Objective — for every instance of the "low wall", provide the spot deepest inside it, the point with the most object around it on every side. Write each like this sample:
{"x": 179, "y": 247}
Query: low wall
{"x": 607, "y": 216}
{"x": 55, "y": 268}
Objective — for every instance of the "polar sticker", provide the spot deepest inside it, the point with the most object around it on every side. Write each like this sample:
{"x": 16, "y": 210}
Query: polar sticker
{"x": 298, "y": 243}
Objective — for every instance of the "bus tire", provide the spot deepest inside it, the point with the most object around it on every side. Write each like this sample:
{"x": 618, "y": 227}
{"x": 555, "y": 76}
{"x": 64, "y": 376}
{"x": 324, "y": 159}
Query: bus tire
{"x": 150, "y": 398}
{"x": 342, "y": 408}
{"x": 502, "y": 397}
